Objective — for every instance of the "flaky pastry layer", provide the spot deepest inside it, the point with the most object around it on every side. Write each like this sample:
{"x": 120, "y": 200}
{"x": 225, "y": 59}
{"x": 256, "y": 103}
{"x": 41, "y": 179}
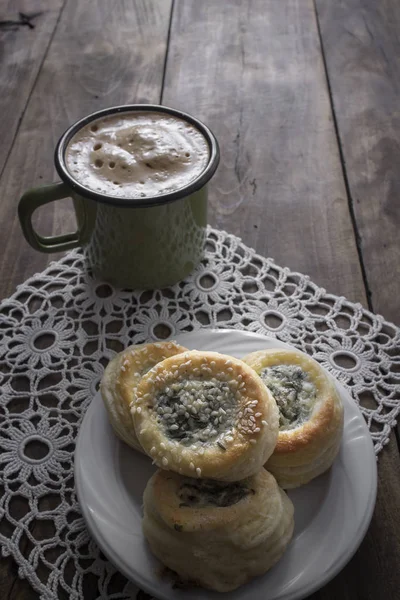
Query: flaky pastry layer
{"x": 213, "y": 534}
{"x": 121, "y": 378}
{"x": 309, "y": 449}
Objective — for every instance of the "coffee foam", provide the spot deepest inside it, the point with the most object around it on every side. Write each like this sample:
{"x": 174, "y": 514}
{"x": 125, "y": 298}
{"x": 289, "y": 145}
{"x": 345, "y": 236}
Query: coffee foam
{"x": 137, "y": 154}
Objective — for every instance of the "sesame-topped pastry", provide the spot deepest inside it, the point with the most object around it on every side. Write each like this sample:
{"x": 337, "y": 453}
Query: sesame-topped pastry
{"x": 204, "y": 414}
{"x": 217, "y": 534}
{"x": 120, "y": 380}
{"x": 310, "y": 414}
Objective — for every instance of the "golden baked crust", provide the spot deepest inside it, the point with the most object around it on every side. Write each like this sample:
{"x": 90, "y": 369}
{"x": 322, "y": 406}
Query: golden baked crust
{"x": 308, "y": 447}
{"x": 120, "y": 380}
{"x": 213, "y": 534}
{"x": 205, "y": 414}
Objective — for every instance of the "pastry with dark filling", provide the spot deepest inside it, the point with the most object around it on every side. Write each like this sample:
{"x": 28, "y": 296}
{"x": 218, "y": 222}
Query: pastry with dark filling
{"x": 120, "y": 380}
{"x": 310, "y": 414}
{"x": 205, "y": 415}
{"x": 217, "y": 534}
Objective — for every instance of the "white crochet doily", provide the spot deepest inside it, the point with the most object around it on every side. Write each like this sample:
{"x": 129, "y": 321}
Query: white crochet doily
{"x": 59, "y": 330}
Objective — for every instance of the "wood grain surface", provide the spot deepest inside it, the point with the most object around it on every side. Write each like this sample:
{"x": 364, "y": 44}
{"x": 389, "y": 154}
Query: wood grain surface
{"x": 309, "y": 147}
{"x": 23, "y": 50}
{"x": 260, "y": 85}
{"x": 361, "y": 40}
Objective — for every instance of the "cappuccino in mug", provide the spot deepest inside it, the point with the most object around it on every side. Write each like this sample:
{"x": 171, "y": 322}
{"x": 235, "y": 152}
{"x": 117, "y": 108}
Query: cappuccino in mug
{"x": 138, "y": 176}
{"x": 137, "y": 154}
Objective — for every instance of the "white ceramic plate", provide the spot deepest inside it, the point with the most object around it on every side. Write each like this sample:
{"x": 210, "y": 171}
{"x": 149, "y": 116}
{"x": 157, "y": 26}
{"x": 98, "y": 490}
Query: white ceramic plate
{"x": 332, "y": 513}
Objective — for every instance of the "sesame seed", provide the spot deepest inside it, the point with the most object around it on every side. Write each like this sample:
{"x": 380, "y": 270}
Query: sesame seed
{"x": 253, "y": 441}
{"x": 138, "y": 410}
{"x": 258, "y": 414}
{"x": 191, "y": 466}
{"x": 264, "y": 423}
{"x": 133, "y": 410}
{"x": 165, "y": 461}
{"x": 198, "y": 472}
{"x": 257, "y": 430}
{"x": 194, "y": 410}
{"x": 153, "y": 450}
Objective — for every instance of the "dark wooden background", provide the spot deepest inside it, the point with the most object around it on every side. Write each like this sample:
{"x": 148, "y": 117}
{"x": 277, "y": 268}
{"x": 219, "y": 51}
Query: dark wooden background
{"x": 304, "y": 99}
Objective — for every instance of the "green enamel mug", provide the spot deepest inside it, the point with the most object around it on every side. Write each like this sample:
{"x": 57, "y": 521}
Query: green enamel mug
{"x": 132, "y": 242}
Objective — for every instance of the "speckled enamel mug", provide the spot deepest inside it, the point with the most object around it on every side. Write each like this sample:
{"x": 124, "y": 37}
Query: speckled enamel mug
{"x": 139, "y": 243}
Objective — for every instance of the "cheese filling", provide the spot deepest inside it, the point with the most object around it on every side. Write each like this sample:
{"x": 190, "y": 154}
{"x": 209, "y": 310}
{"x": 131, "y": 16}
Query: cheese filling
{"x": 196, "y": 410}
{"x": 200, "y": 493}
{"x": 293, "y": 391}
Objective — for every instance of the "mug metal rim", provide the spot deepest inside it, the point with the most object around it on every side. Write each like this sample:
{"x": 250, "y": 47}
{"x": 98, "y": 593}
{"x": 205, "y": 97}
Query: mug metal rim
{"x": 193, "y": 186}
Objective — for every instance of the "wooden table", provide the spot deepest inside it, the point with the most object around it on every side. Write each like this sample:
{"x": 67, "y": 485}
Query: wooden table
{"x": 304, "y": 99}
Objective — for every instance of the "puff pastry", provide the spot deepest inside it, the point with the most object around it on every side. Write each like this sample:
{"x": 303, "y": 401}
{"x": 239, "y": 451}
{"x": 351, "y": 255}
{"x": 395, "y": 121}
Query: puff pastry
{"x": 214, "y": 534}
{"x": 120, "y": 380}
{"x": 311, "y": 414}
{"x": 204, "y": 414}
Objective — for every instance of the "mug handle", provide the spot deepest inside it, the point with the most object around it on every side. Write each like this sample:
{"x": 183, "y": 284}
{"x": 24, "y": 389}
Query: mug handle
{"x": 36, "y": 197}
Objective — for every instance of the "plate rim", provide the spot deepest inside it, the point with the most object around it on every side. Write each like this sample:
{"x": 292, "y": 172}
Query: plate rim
{"x": 299, "y": 594}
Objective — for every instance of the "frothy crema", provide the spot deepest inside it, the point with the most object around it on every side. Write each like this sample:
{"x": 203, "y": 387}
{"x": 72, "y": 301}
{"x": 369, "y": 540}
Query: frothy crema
{"x": 137, "y": 154}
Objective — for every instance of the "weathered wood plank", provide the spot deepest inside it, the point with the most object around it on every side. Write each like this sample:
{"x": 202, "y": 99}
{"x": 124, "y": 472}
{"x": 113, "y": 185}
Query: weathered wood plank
{"x": 361, "y": 41}
{"x": 21, "y": 590}
{"x": 260, "y": 84}
{"x": 103, "y": 53}
{"x": 22, "y": 51}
